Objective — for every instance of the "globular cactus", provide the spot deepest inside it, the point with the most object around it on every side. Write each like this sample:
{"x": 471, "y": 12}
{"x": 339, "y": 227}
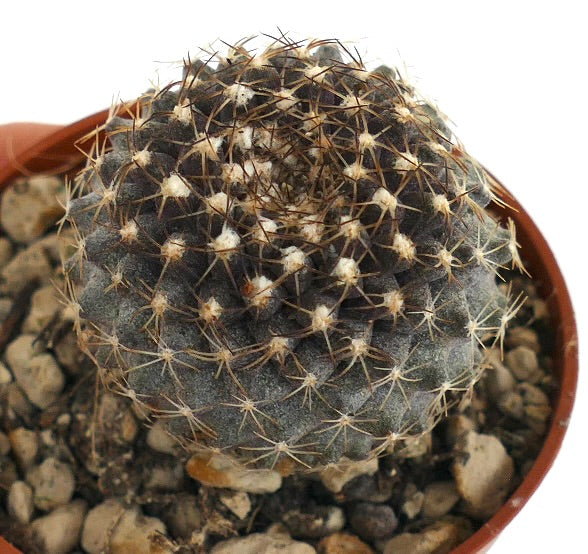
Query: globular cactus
{"x": 287, "y": 257}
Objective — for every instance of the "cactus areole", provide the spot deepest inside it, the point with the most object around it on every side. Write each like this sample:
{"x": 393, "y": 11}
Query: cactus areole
{"x": 285, "y": 256}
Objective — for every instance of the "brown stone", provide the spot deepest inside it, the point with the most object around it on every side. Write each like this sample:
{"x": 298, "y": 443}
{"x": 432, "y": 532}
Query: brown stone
{"x": 343, "y": 543}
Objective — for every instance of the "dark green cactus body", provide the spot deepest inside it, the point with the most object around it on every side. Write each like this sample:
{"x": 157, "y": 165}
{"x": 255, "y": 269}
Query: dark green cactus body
{"x": 288, "y": 255}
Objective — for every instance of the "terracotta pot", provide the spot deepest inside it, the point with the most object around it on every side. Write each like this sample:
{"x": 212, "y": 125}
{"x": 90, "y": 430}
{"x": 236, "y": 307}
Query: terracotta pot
{"x": 57, "y": 153}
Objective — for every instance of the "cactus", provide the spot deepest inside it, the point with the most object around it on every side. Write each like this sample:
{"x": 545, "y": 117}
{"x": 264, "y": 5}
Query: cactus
{"x": 285, "y": 256}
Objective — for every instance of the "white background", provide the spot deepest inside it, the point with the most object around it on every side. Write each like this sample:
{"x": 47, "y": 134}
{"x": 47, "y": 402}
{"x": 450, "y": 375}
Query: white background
{"x": 511, "y": 75}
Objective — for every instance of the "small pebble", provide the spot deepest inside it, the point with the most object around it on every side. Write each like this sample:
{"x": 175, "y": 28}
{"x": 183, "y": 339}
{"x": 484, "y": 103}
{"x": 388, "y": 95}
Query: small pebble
{"x": 314, "y": 522}
{"x": 457, "y": 426}
{"x": 343, "y": 543}
{"x": 4, "y": 444}
{"x": 116, "y": 420}
{"x": 413, "y": 501}
{"x": 38, "y": 374}
{"x": 25, "y": 446}
{"x": 413, "y": 448}
{"x": 5, "y": 307}
{"x": 511, "y": 404}
{"x": 133, "y": 533}
{"x": 377, "y": 488}
{"x": 335, "y": 476}
{"x": 523, "y": 363}
{"x": 183, "y": 516}
{"x": 20, "y": 502}
{"x": 218, "y": 470}
{"x": 160, "y": 440}
{"x": 8, "y": 472}
{"x": 63, "y": 420}
{"x": 109, "y": 527}
{"x": 483, "y": 473}
{"x": 5, "y": 251}
{"x": 57, "y": 246}
{"x": 59, "y": 531}
{"x": 373, "y": 521}
{"x": 31, "y": 206}
{"x": 497, "y": 378}
{"x": 537, "y": 409}
{"x": 5, "y": 375}
{"x": 68, "y": 354}
{"x": 99, "y": 524}
{"x": 164, "y": 476}
{"x": 237, "y": 501}
{"x": 523, "y": 336}
{"x": 17, "y": 401}
{"x": 440, "y": 537}
{"x": 53, "y": 483}
{"x": 29, "y": 264}
{"x": 44, "y": 306}
{"x": 540, "y": 309}
{"x": 262, "y": 543}
{"x": 440, "y": 498}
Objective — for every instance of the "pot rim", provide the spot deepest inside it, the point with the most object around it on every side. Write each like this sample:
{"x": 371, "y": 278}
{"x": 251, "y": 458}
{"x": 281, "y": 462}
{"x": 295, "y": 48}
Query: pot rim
{"x": 61, "y": 149}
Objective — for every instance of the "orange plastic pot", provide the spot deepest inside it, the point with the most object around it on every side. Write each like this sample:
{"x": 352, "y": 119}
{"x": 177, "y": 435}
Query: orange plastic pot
{"x": 58, "y": 152}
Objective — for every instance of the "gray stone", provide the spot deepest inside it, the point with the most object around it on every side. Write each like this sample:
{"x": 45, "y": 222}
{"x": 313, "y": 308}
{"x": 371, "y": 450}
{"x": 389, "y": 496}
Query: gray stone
{"x": 373, "y": 521}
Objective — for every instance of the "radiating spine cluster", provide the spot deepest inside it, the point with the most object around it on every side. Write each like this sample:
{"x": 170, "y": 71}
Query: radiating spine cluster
{"x": 287, "y": 256}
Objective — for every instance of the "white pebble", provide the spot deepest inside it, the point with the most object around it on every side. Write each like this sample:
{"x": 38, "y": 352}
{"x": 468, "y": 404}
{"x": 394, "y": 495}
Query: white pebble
{"x": 59, "y": 531}
{"x": 25, "y": 445}
{"x": 20, "y": 502}
{"x": 39, "y": 375}
{"x": 262, "y": 542}
{"x": 53, "y": 482}
{"x": 483, "y": 474}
